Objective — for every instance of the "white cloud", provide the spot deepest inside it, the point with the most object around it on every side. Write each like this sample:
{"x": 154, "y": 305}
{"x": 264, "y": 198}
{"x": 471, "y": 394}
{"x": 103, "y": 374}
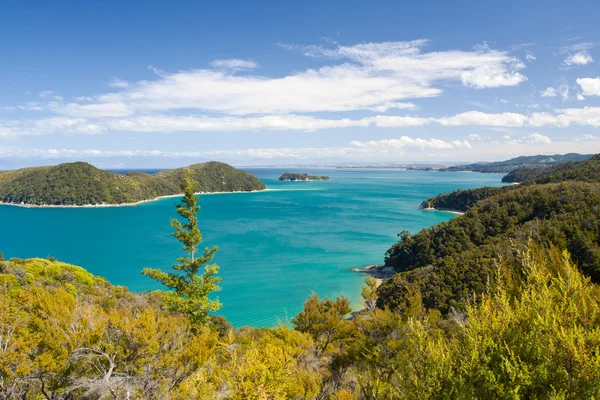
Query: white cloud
{"x": 371, "y": 76}
{"x": 388, "y": 106}
{"x": 588, "y": 137}
{"x": 581, "y": 116}
{"x": 94, "y": 110}
{"x": 540, "y": 119}
{"x": 473, "y": 137}
{"x": 388, "y": 148}
{"x": 590, "y": 86}
{"x": 580, "y": 58}
{"x": 538, "y": 138}
{"x": 86, "y": 123}
{"x": 485, "y": 119}
{"x": 532, "y": 138}
{"x": 234, "y": 64}
{"x": 45, "y": 93}
{"x": 118, "y": 83}
{"x": 461, "y": 144}
{"x": 384, "y": 121}
{"x": 529, "y": 56}
{"x": 564, "y": 91}
{"x": 580, "y": 97}
{"x": 164, "y": 123}
{"x": 577, "y": 47}
{"x": 402, "y": 142}
{"x": 549, "y": 92}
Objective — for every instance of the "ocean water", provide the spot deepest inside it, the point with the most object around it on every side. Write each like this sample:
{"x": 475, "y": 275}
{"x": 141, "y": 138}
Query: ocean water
{"x": 275, "y": 247}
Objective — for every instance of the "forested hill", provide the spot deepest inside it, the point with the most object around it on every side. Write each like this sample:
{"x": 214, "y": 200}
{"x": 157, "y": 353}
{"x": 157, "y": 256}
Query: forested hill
{"x": 79, "y": 184}
{"x": 520, "y": 162}
{"x": 584, "y": 171}
{"x": 462, "y": 200}
{"x": 454, "y": 261}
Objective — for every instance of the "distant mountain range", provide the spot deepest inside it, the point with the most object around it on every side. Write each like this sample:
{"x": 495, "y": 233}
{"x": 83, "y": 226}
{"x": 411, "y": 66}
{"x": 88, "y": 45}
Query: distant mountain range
{"x": 520, "y": 162}
{"x": 82, "y": 184}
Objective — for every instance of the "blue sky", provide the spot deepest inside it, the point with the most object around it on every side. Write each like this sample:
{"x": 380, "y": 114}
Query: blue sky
{"x": 160, "y": 84}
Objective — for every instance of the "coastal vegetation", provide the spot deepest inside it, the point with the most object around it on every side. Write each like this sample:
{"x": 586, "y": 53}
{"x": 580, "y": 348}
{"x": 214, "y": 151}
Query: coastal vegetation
{"x": 523, "y": 174}
{"x": 534, "y": 334}
{"x": 81, "y": 184}
{"x": 190, "y": 290}
{"x": 500, "y": 303}
{"x": 291, "y": 176}
{"x": 452, "y": 261}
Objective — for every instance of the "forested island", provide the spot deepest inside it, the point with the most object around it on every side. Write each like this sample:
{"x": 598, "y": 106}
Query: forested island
{"x": 82, "y": 184}
{"x": 291, "y": 176}
{"x": 502, "y": 302}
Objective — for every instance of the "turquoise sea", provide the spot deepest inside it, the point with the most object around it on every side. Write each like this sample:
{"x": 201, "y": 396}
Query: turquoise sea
{"x": 275, "y": 247}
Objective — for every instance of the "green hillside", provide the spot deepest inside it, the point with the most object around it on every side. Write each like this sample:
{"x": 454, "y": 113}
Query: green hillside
{"x": 79, "y": 183}
{"x": 451, "y": 262}
{"x": 520, "y": 162}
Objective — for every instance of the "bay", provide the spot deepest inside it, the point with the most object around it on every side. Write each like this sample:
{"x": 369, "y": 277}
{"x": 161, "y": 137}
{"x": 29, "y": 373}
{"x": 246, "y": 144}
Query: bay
{"x": 275, "y": 247}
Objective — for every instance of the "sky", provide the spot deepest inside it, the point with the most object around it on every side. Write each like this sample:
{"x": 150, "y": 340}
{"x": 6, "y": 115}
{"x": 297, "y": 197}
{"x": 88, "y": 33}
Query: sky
{"x": 157, "y": 84}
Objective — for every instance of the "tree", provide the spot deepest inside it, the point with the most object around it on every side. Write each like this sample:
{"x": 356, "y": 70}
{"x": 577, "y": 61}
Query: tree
{"x": 324, "y": 320}
{"x": 190, "y": 290}
{"x": 369, "y": 293}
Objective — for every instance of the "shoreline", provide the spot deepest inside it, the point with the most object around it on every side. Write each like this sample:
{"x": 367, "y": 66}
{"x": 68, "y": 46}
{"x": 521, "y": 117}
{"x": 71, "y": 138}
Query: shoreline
{"x": 448, "y": 210}
{"x": 107, "y": 205}
{"x": 378, "y": 271}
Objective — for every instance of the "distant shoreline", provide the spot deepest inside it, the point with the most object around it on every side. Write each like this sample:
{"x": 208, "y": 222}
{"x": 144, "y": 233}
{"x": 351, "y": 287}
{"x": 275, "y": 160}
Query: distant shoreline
{"x": 448, "y": 210}
{"x": 105, "y": 205}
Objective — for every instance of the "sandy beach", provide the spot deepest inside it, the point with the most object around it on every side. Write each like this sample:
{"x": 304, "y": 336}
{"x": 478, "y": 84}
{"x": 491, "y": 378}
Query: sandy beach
{"x": 448, "y": 210}
{"x": 26, "y": 205}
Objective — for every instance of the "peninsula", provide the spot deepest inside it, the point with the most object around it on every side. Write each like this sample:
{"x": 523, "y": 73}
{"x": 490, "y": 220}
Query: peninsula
{"x": 290, "y": 176}
{"x": 81, "y": 184}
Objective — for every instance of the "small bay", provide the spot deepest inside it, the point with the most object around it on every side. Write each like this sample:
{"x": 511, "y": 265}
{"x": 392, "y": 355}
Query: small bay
{"x": 275, "y": 247}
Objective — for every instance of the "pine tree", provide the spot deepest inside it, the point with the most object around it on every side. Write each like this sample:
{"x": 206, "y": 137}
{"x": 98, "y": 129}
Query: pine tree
{"x": 190, "y": 290}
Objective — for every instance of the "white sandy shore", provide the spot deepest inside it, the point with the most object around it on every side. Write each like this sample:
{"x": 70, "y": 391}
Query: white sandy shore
{"x": 448, "y": 210}
{"x": 120, "y": 204}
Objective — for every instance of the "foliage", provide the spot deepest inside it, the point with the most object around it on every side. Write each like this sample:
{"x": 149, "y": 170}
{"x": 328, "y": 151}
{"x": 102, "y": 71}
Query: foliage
{"x": 80, "y": 183}
{"x": 524, "y": 174}
{"x": 461, "y": 200}
{"x": 190, "y": 290}
{"x": 535, "y": 333}
{"x": 291, "y": 176}
{"x": 585, "y": 171}
{"x": 452, "y": 261}
{"x": 323, "y": 320}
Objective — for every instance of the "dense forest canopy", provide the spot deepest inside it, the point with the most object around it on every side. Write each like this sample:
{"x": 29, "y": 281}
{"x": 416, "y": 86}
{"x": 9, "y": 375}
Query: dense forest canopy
{"x": 523, "y": 174}
{"x": 452, "y": 261}
{"x": 80, "y": 183}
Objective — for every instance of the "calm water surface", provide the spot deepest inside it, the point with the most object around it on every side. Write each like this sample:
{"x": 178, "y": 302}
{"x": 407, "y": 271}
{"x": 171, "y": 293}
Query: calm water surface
{"x": 275, "y": 247}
